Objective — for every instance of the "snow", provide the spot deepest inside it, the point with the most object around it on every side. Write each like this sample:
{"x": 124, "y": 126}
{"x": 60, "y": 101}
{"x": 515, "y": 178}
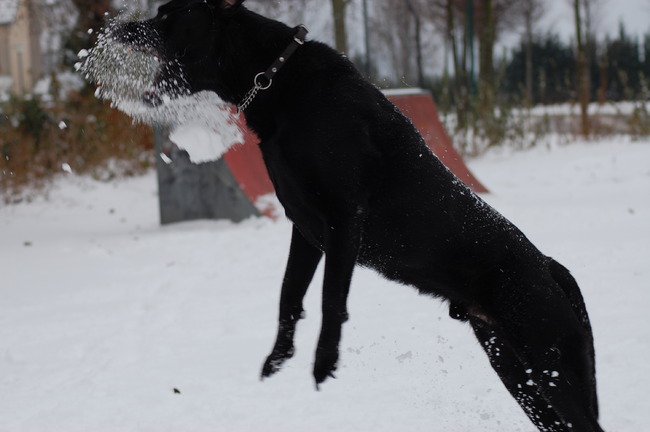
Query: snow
{"x": 200, "y": 142}
{"x": 611, "y": 108}
{"x": 103, "y": 313}
{"x": 5, "y": 87}
{"x": 66, "y": 82}
{"x": 406, "y": 91}
{"x": 201, "y": 123}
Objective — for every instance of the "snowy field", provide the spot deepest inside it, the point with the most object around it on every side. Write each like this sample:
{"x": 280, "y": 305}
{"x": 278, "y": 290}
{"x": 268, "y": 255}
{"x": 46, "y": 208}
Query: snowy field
{"x": 103, "y": 313}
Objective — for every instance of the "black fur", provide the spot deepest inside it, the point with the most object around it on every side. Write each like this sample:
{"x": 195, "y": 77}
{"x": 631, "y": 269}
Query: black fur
{"x": 362, "y": 187}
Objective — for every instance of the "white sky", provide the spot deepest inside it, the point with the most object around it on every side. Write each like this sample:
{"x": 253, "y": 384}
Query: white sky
{"x": 559, "y": 19}
{"x": 635, "y": 14}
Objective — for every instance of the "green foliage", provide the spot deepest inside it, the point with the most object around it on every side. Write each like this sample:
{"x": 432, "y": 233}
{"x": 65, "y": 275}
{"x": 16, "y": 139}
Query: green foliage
{"x": 615, "y": 68}
{"x": 553, "y": 71}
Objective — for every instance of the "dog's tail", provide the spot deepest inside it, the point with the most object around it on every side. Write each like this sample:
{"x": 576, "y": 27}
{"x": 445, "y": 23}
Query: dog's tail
{"x": 563, "y": 278}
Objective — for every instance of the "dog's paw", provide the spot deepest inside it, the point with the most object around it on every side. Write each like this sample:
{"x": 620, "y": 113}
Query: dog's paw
{"x": 275, "y": 360}
{"x": 325, "y": 365}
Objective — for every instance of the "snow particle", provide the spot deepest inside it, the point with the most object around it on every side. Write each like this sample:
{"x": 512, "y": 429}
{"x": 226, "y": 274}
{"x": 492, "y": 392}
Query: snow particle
{"x": 165, "y": 158}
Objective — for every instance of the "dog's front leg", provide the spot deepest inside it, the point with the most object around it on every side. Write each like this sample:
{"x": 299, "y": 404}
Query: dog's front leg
{"x": 342, "y": 242}
{"x": 303, "y": 260}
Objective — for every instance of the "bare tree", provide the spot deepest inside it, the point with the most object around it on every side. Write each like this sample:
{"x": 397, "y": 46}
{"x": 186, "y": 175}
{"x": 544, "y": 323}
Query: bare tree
{"x": 393, "y": 23}
{"x": 492, "y": 18}
{"x": 465, "y": 22}
{"x": 415, "y": 12}
{"x": 586, "y": 14}
{"x": 448, "y": 17}
{"x": 532, "y": 11}
{"x": 487, "y": 39}
{"x": 582, "y": 71}
{"x": 340, "y": 33}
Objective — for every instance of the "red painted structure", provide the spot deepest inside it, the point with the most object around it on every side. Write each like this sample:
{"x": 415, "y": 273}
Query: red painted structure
{"x": 418, "y": 105}
{"x": 247, "y": 166}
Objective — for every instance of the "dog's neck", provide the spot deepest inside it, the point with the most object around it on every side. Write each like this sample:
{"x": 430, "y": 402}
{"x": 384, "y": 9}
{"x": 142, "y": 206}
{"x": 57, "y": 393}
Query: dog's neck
{"x": 264, "y": 80}
{"x": 251, "y": 43}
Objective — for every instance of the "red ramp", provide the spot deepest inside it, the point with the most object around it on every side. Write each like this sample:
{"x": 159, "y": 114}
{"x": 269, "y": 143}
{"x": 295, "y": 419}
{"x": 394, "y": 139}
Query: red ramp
{"x": 247, "y": 166}
{"x": 418, "y": 105}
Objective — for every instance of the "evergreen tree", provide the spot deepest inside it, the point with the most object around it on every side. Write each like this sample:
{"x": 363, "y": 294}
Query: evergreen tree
{"x": 623, "y": 67}
{"x": 553, "y": 66}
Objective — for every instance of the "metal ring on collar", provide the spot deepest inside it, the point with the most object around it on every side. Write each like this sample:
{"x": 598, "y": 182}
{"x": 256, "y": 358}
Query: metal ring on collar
{"x": 260, "y": 86}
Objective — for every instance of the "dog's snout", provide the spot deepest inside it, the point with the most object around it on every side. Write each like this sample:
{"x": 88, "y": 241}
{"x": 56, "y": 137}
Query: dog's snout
{"x": 152, "y": 99}
{"x": 135, "y": 34}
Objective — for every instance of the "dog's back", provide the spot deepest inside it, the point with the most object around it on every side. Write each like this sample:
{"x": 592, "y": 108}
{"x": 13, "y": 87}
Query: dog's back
{"x": 349, "y": 146}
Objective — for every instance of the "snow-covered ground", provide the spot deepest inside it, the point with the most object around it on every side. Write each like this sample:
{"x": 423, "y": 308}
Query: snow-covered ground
{"x": 103, "y": 313}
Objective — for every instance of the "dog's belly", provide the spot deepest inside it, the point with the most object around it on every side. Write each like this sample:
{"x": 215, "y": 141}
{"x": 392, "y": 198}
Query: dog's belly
{"x": 440, "y": 238}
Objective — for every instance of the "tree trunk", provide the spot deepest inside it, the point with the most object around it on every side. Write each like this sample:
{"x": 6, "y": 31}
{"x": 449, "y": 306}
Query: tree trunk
{"x": 460, "y": 90}
{"x": 582, "y": 71}
{"x": 340, "y": 34}
{"x": 486, "y": 59}
{"x": 418, "y": 42}
{"x": 529, "y": 58}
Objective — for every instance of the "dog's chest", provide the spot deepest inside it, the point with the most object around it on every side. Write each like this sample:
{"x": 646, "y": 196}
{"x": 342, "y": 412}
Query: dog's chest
{"x": 299, "y": 196}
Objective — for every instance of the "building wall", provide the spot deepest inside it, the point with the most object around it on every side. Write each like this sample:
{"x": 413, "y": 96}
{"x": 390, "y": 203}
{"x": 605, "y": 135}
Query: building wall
{"x": 4, "y": 50}
{"x": 19, "y": 49}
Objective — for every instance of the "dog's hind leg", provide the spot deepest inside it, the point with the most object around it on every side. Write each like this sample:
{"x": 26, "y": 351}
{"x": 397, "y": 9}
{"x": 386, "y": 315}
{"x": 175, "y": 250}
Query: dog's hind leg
{"x": 537, "y": 322}
{"x": 303, "y": 260}
{"x": 570, "y": 287}
{"x": 512, "y": 372}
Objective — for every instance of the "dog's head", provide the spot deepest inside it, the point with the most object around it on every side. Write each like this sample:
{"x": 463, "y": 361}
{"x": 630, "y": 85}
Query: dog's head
{"x": 180, "y": 39}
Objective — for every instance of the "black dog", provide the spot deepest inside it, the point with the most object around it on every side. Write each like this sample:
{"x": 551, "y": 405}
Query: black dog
{"x": 361, "y": 187}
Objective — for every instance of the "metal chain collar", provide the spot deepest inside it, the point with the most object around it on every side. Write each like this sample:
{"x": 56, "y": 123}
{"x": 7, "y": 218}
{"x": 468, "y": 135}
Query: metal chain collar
{"x": 298, "y": 39}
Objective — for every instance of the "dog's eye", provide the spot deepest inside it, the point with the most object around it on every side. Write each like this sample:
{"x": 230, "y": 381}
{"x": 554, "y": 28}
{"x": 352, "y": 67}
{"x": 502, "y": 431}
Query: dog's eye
{"x": 163, "y": 18}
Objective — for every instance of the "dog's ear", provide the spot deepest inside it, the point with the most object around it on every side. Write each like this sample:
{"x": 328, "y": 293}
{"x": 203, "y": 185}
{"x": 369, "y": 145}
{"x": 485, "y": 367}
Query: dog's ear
{"x": 230, "y": 4}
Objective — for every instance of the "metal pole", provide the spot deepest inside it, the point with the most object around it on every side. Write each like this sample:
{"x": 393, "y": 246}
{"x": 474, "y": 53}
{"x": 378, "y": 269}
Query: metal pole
{"x": 418, "y": 43}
